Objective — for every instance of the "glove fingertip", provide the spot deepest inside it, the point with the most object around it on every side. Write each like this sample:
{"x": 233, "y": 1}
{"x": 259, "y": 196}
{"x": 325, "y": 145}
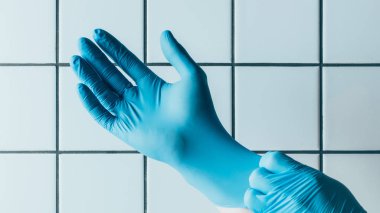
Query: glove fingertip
{"x": 98, "y": 34}
{"x": 165, "y": 42}
{"x": 81, "y": 88}
{"x": 83, "y": 45}
{"x": 74, "y": 60}
{"x": 82, "y": 41}
{"x": 166, "y": 35}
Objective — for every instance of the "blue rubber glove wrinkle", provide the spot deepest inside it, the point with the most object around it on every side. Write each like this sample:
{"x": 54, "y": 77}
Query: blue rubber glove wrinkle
{"x": 282, "y": 184}
{"x": 175, "y": 123}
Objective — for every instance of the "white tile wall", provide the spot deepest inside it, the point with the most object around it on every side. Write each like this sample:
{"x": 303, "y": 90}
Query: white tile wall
{"x": 351, "y": 109}
{"x": 351, "y": 31}
{"x": 311, "y": 160}
{"x": 28, "y": 96}
{"x": 277, "y": 108}
{"x": 277, "y": 31}
{"x": 275, "y": 105}
{"x": 360, "y": 173}
{"x": 27, "y": 183}
{"x": 28, "y": 31}
{"x": 122, "y": 18}
{"x": 203, "y": 27}
{"x": 99, "y": 183}
{"x": 78, "y": 131}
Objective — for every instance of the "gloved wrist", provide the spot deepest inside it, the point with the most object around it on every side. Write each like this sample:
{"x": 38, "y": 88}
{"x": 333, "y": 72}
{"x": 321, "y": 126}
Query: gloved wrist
{"x": 221, "y": 171}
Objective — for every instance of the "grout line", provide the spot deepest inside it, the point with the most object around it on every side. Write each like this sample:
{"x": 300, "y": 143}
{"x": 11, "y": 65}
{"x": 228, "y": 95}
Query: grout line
{"x": 100, "y": 152}
{"x": 27, "y": 152}
{"x": 27, "y": 64}
{"x": 233, "y": 117}
{"x": 276, "y": 64}
{"x": 145, "y": 32}
{"x": 258, "y": 64}
{"x": 145, "y": 165}
{"x": 350, "y": 64}
{"x": 136, "y": 152}
{"x": 321, "y": 85}
{"x": 69, "y": 152}
{"x": 57, "y": 105}
{"x": 145, "y": 45}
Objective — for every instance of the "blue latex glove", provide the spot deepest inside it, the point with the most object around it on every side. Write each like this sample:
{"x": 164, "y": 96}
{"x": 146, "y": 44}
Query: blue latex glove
{"x": 174, "y": 123}
{"x": 282, "y": 184}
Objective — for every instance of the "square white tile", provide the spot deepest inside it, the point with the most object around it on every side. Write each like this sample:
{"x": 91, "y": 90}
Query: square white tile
{"x": 277, "y": 31}
{"x": 78, "y": 130}
{"x": 277, "y": 108}
{"x": 219, "y": 81}
{"x": 27, "y": 183}
{"x": 122, "y": 18}
{"x": 351, "y": 108}
{"x": 168, "y": 192}
{"x": 101, "y": 183}
{"x": 28, "y": 31}
{"x": 202, "y": 27}
{"x": 311, "y": 160}
{"x": 351, "y": 31}
{"x": 360, "y": 173}
{"x": 28, "y": 108}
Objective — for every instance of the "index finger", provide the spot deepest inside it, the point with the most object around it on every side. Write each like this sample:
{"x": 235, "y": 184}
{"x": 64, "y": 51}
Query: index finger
{"x": 121, "y": 55}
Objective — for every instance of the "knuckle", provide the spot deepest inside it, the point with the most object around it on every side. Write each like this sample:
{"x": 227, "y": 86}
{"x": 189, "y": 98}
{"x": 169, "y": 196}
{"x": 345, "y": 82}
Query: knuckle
{"x": 276, "y": 155}
{"x": 261, "y": 172}
{"x": 270, "y": 158}
{"x": 110, "y": 105}
{"x": 257, "y": 174}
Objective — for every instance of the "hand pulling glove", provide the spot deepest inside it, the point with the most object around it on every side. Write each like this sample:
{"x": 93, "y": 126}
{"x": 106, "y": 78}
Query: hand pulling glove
{"x": 282, "y": 184}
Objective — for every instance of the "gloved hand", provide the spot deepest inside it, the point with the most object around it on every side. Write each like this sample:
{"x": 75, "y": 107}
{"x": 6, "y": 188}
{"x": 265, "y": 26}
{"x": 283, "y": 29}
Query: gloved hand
{"x": 282, "y": 184}
{"x": 174, "y": 123}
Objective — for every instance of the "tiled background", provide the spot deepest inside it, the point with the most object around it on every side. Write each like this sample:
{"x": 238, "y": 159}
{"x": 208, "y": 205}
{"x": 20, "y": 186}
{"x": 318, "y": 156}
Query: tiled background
{"x": 302, "y": 76}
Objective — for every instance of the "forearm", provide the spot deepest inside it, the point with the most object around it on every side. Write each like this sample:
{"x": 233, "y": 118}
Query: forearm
{"x": 220, "y": 172}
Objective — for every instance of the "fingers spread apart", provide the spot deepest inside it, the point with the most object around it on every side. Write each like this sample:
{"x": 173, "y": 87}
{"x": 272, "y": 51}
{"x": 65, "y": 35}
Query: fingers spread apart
{"x": 93, "y": 81}
{"x": 104, "y": 67}
{"x": 95, "y": 108}
{"x": 122, "y": 56}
